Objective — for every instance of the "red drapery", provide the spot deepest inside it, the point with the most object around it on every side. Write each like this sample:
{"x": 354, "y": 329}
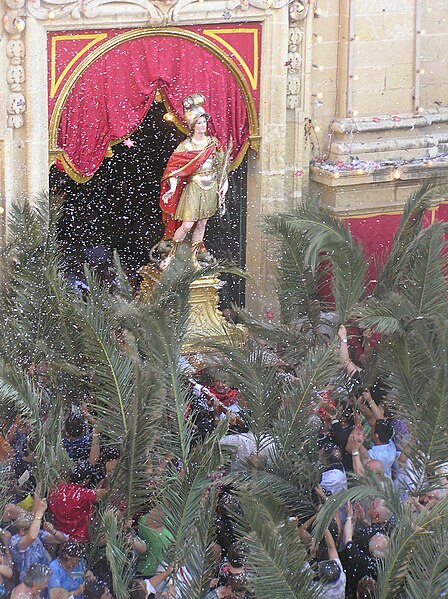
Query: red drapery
{"x": 112, "y": 97}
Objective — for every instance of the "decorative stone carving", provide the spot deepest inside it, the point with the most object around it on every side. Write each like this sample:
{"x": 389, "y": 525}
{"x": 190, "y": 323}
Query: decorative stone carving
{"x": 156, "y": 11}
{"x": 15, "y": 51}
{"x": 16, "y": 103}
{"x": 15, "y": 76}
{"x": 15, "y": 108}
{"x": 297, "y": 13}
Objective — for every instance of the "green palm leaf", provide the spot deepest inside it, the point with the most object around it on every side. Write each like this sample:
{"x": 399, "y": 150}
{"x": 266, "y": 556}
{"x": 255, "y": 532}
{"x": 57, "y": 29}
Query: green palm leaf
{"x": 390, "y": 273}
{"x": 419, "y": 537}
{"x": 276, "y": 556}
{"x": 118, "y": 553}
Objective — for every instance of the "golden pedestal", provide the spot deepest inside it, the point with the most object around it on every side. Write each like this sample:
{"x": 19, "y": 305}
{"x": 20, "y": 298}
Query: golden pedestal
{"x": 205, "y": 321}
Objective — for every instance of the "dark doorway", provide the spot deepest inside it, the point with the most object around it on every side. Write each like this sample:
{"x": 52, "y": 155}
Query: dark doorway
{"x": 118, "y": 208}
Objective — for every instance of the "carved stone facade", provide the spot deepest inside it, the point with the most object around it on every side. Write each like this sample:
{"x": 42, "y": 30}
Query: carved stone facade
{"x": 14, "y": 25}
{"x": 298, "y": 12}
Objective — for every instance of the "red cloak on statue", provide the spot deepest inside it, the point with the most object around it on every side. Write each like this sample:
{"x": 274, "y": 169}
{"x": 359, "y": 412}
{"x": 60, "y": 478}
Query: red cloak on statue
{"x": 181, "y": 165}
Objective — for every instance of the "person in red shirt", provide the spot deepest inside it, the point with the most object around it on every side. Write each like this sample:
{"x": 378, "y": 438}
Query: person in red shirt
{"x": 71, "y": 503}
{"x": 226, "y": 394}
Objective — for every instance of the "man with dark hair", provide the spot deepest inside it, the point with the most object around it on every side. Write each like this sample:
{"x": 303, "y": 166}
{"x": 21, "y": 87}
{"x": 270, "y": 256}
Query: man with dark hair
{"x": 71, "y": 503}
{"x": 332, "y": 579}
{"x": 77, "y": 439}
{"x": 384, "y": 449}
{"x": 35, "y": 580}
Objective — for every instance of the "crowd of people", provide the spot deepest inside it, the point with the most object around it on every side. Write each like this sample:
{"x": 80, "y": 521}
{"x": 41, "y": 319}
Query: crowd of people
{"x": 46, "y": 543}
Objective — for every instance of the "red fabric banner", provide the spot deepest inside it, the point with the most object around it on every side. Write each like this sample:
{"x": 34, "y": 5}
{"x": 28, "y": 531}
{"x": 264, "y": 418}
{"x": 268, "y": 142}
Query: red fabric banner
{"x": 110, "y": 100}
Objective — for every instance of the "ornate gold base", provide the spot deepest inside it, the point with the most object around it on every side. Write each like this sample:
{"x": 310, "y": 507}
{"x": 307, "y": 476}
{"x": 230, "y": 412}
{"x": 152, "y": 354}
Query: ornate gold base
{"x": 206, "y": 321}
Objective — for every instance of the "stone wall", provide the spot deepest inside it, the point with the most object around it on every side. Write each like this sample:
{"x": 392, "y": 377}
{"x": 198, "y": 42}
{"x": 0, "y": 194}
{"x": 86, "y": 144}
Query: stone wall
{"x": 379, "y": 122}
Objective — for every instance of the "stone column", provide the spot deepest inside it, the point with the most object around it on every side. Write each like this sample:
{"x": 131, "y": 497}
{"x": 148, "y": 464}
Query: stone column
{"x": 37, "y": 109}
{"x": 266, "y": 174}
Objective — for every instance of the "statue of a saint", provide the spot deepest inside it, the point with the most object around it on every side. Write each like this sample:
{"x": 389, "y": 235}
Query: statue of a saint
{"x": 192, "y": 182}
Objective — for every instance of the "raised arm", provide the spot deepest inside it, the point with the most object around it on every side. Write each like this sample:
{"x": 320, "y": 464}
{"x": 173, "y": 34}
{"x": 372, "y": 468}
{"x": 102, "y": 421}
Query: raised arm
{"x": 376, "y": 411}
{"x": 331, "y": 546}
{"x": 354, "y": 447}
{"x": 40, "y": 506}
{"x": 94, "y": 454}
{"x": 348, "y": 526}
{"x": 349, "y": 367}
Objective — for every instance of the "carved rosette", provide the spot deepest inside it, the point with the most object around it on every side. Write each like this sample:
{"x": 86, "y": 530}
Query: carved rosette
{"x": 14, "y": 25}
{"x": 298, "y": 11}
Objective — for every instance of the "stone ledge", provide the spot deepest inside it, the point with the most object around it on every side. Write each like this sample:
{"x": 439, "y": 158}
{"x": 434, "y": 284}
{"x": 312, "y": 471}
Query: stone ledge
{"x": 355, "y": 192}
{"x": 390, "y": 137}
{"x": 387, "y": 122}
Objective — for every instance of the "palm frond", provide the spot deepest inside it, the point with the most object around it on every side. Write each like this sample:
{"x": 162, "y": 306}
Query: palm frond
{"x": 45, "y": 439}
{"x": 118, "y": 553}
{"x": 34, "y": 297}
{"x": 399, "y": 569}
{"x": 391, "y": 272}
{"x": 320, "y": 366}
{"x": 425, "y": 283}
{"x": 277, "y": 557}
{"x": 113, "y": 385}
{"x": 389, "y": 315}
{"x": 297, "y": 284}
{"x": 290, "y": 345}
{"x": 261, "y": 390}
{"x": 143, "y": 415}
{"x": 184, "y": 493}
{"x": 200, "y": 560}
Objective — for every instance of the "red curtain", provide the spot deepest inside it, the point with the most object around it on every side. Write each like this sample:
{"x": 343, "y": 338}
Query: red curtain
{"x": 112, "y": 97}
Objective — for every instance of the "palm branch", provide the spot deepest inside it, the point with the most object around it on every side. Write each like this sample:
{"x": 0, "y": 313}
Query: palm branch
{"x": 200, "y": 560}
{"x": 326, "y": 239}
{"x": 45, "y": 439}
{"x": 288, "y": 342}
{"x": 276, "y": 556}
{"x": 34, "y": 295}
{"x": 318, "y": 368}
{"x": 425, "y": 283}
{"x": 391, "y": 271}
{"x": 245, "y": 369}
{"x": 118, "y": 552}
{"x": 184, "y": 503}
{"x": 297, "y": 284}
{"x": 413, "y": 558}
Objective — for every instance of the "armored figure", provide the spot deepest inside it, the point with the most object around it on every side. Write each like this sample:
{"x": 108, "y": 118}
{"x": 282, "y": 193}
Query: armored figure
{"x": 192, "y": 181}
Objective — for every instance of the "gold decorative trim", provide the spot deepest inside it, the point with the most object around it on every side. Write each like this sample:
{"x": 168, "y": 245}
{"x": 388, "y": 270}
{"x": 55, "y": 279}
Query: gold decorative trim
{"x": 217, "y": 35}
{"x": 149, "y": 32}
{"x": 94, "y": 38}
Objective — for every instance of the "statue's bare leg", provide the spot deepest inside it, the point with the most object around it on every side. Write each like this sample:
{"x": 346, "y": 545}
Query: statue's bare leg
{"x": 199, "y": 230}
{"x": 182, "y": 231}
